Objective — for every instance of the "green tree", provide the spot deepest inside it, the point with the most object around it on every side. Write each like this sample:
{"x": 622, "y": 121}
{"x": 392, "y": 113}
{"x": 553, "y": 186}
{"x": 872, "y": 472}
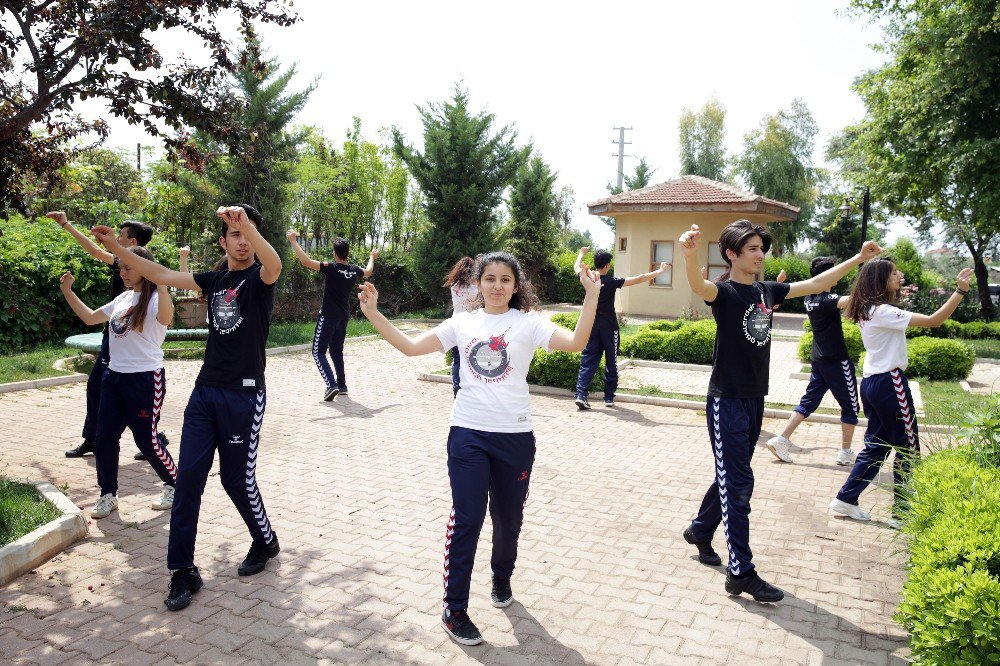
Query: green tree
{"x": 641, "y": 177}
{"x": 532, "y": 229}
{"x": 181, "y": 206}
{"x": 462, "y": 171}
{"x": 702, "y": 141}
{"x": 929, "y": 144}
{"x": 317, "y": 180}
{"x": 776, "y": 162}
{"x": 53, "y": 54}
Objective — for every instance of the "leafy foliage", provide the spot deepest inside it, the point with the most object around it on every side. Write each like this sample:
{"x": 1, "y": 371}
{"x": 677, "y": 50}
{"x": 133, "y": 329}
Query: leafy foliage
{"x": 935, "y": 358}
{"x": 692, "y": 342}
{"x": 559, "y": 368}
{"x": 852, "y": 338}
{"x": 703, "y": 141}
{"x": 532, "y": 228}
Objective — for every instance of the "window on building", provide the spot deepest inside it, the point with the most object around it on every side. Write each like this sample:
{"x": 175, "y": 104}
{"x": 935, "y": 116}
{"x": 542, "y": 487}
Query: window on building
{"x": 622, "y": 244}
{"x": 716, "y": 264}
{"x": 662, "y": 251}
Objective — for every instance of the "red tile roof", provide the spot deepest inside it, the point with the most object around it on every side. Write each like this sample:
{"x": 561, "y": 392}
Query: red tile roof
{"x": 692, "y": 194}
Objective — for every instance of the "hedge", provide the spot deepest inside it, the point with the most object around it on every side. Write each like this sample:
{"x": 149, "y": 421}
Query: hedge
{"x": 973, "y": 330}
{"x": 934, "y": 358}
{"x": 692, "y": 342}
{"x": 559, "y": 368}
{"x": 566, "y": 319}
{"x": 852, "y": 338}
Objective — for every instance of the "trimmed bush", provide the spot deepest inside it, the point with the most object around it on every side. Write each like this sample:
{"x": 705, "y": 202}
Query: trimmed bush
{"x": 693, "y": 342}
{"x": 559, "y": 368}
{"x": 566, "y": 283}
{"x": 934, "y": 358}
{"x": 973, "y": 330}
{"x": 665, "y": 325}
{"x": 566, "y": 319}
{"x": 852, "y": 338}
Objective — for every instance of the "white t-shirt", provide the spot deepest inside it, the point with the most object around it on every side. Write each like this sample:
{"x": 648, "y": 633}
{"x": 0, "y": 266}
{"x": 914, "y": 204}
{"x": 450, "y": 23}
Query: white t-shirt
{"x": 495, "y": 353}
{"x": 884, "y": 337}
{"x": 134, "y": 351}
{"x": 463, "y": 298}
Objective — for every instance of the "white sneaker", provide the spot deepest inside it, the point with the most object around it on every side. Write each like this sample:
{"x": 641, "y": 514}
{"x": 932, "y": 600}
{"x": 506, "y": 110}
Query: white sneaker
{"x": 780, "y": 446}
{"x": 104, "y": 506}
{"x": 846, "y": 457}
{"x": 166, "y": 499}
{"x": 849, "y": 510}
{"x": 894, "y": 524}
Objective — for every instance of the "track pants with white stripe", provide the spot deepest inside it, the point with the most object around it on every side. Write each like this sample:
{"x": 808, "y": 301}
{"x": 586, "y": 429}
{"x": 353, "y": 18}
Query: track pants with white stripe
{"x": 604, "y": 342}
{"x": 228, "y": 420}
{"x": 133, "y": 400}
{"x": 329, "y": 338}
{"x": 733, "y": 427}
{"x": 837, "y": 377}
{"x": 484, "y": 466}
{"x": 892, "y": 424}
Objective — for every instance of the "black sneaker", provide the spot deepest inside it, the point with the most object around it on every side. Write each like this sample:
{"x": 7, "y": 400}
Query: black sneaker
{"x": 342, "y": 390}
{"x": 331, "y": 393}
{"x": 609, "y": 403}
{"x": 706, "y": 554}
{"x": 258, "y": 556}
{"x": 183, "y": 585}
{"x": 86, "y": 447}
{"x": 582, "y": 402}
{"x": 459, "y": 626}
{"x": 753, "y": 585}
{"x": 501, "y": 594}
{"x": 164, "y": 442}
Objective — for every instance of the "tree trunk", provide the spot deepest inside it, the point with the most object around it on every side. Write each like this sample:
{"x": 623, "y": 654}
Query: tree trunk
{"x": 982, "y": 273}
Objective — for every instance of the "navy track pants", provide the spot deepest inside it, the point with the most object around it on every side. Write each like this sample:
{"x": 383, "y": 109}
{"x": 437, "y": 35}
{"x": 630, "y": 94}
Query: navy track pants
{"x": 329, "y": 338}
{"x": 836, "y": 377}
{"x": 603, "y": 342}
{"x": 493, "y": 467}
{"x": 94, "y": 381}
{"x": 228, "y": 420}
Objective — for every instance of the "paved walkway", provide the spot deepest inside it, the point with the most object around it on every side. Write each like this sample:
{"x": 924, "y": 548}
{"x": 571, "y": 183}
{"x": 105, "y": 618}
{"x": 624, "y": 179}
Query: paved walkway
{"x": 357, "y": 490}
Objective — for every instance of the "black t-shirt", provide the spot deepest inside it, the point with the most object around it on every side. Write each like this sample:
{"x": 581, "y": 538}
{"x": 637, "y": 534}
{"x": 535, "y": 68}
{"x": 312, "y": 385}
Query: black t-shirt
{"x": 606, "y": 300}
{"x": 115, "y": 286}
{"x": 828, "y": 334}
{"x": 743, "y": 314}
{"x": 239, "y": 319}
{"x": 341, "y": 282}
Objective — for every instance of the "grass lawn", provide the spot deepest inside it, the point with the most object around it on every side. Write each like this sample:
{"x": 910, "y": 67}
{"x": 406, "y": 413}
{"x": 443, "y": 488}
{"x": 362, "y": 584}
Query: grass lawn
{"x": 946, "y": 402}
{"x": 300, "y": 333}
{"x": 985, "y": 348}
{"x": 22, "y": 509}
{"x": 36, "y": 364}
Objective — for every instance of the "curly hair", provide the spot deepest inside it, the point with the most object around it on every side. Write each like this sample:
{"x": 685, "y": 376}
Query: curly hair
{"x": 524, "y": 297}
{"x": 460, "y": 273}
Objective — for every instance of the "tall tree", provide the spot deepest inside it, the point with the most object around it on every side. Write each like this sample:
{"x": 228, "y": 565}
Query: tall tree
{"x": 702, "y": 141}
{"x": 53, "y": 54}
{"x": 462, "y": 171}
{"x": 776, "y": 162}
{"x": 532, "y": 229}
{"x": 642, "y": 176}
{"x": 929, "y": 144}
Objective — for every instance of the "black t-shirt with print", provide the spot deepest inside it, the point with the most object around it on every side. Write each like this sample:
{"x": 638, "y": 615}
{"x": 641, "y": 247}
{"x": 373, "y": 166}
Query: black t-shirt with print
{"x": 341, "y": 283}
{"x": 828, "y": 334}
{"x": 116, "y": 284}
{"x": 606, "y": 314}
{"x": 743, "y": 314}
{"x": 239, "y": 319}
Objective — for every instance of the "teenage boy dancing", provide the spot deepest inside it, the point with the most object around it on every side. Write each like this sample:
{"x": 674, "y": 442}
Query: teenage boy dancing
{"x": 742, "y": 308}
{"x": 226, "y": 408}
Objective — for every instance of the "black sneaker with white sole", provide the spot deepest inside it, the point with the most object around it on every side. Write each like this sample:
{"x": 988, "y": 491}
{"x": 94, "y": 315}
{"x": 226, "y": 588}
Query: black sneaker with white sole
{"x": 184, "y": 583}
{"x": 258, "y": 556}
{"x": 753, "y": 585}
{"x": 501, "y": 594}
{"x": 460, "y": 627}
{"x": 706, "y": 554}
{"x": 582, "y": 402}
{"x": 331, "y": 393}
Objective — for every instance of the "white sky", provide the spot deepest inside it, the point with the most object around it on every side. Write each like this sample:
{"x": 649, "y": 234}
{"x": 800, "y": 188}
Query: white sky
{"x": 567, "y": 73}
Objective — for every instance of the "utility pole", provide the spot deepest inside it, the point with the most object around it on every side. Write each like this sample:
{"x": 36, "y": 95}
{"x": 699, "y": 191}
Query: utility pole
{"x": 138, "y": 157}
{"x": 621, "y": 153}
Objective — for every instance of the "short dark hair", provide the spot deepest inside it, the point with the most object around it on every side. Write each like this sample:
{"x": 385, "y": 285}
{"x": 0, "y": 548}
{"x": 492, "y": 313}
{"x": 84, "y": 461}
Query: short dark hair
{"x": 602, "y": 258}
{"x": 140, "y": 232}
{"x": 737, "y": 234}
{"x": 341, "y": 248}
{"x": 252, "y": 213}
{"x": 821, "y": 265}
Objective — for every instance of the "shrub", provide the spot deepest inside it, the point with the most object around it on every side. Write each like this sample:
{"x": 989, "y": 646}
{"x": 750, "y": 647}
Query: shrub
{"x": 566, "y": 283}
{"x": 566, "y": 319}
{"x": 559, "y": 368}
{"x": 852, "y": 338}
{"x": 665, "y": 325}
{"x": 693, "y": 342}
{"x": 934, "y": 358}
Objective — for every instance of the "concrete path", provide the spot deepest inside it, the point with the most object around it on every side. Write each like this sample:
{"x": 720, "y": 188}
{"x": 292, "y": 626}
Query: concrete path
{"x": 357, "y": 490}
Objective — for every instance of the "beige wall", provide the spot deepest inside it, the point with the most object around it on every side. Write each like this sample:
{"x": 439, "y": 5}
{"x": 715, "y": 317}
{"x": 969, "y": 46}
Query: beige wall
{"x": 640, "y": 230}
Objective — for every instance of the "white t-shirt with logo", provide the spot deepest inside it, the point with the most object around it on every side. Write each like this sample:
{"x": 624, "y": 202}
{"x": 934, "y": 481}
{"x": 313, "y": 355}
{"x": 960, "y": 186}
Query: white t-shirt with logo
{"x": 884, "y": 337}
{"x": 131, "y": 350}
{"x": 463, "y": 298}
{"x": 495, "y": 353}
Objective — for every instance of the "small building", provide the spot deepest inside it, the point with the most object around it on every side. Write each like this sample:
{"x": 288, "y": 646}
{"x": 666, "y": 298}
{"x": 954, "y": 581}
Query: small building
{"x": 649, "y": 221}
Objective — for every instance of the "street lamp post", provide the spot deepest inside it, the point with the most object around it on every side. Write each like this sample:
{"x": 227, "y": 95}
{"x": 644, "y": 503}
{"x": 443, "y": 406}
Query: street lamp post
{"x": 846, "y": 209}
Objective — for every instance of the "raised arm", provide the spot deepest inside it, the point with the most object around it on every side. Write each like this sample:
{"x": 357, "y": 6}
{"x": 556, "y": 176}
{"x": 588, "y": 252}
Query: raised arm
{"x": 370, "y": 268}
{"x": 184, "y": 252}
{"x": 563, "y": 340}
{"x": 825, "y": 280}
{"x": 424, "y": 343}
{"x": 578, "y": 264}
{"x": 645, "y": 277}
{"x": 152, "y": 271}
{"x": 948, "y": 307}
{"x": 86, "y": 315}
{"x": 89, "y": 246}
{"x": 300, "y": 254}
{"x": 705, "y": 290}
{"x": 270, "y": 262}
{"x": 165, "y": 306}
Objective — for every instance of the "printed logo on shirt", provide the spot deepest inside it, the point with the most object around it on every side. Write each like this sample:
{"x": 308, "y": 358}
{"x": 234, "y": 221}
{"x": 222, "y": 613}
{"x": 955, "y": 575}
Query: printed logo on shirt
{"x": 489, "y": 359}
{"x": 347, "y": 273}
{"x": 119, "y": 325}
{"x": 226, "y": 316}
{"x": 757, "y": 323}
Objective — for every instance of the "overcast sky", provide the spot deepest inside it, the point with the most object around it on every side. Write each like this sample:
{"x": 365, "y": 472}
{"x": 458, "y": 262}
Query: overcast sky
{"x": 567, "y": 73}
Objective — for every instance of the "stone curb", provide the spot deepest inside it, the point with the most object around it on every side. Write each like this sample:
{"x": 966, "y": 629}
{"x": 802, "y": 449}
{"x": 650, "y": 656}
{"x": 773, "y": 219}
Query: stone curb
{"x": 988, "y": 361}
{"x": 10, "y": 387}
{"x": 669, "y": 365}
{"x": 48, "y": 540}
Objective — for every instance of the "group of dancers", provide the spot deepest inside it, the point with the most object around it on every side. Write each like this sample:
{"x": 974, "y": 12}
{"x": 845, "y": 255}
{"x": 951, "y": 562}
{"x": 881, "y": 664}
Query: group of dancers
{"x": 492, "y": 334}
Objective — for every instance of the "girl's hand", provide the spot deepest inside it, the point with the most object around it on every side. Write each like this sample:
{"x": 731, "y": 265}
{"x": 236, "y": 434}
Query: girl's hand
{"x": 66, "y": 282}
{"x": 689, "y": 241}
{"x": 292, "y": 235}
{"x": 368, "y": 298}
{"x": 963, "y": 279}
{"x": 375, "y": 253}
{"x": 591, "y": 281}
{"x": 185, "y": 251}
{"x": 104, "y": 235}
{"x": 665, "y": 266}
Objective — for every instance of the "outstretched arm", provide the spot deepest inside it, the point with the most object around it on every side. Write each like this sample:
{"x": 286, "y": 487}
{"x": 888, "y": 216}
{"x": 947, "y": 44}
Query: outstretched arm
{"x": 639, "y": 279}
{"x": 422, "y": 344}
{"x": 270, "y": 262}
{"x": 563, "y": 340}
{"x": 300, "y": 254}
{"x": 152, "y": 271}
{"x": 705, "y": 290}
{"x": 89, "y": 246}
{"x": 948, "y": 307}
{"x": 86, "y": 315}
{"x": 370, "y": 268}
{"x": 825, "y": 280}
{"x": 578, "y": 264}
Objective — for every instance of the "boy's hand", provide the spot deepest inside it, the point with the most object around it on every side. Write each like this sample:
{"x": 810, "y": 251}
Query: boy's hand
{"x": 185, "y": 251}
{"x": 59, "y": 216}
{"x": 375, "y": 254}
{"x": 105, "y": 235}
{"x": 689, "y": 241}
{"x": 292, "y": 235}
{"x": 870, "y": 250}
